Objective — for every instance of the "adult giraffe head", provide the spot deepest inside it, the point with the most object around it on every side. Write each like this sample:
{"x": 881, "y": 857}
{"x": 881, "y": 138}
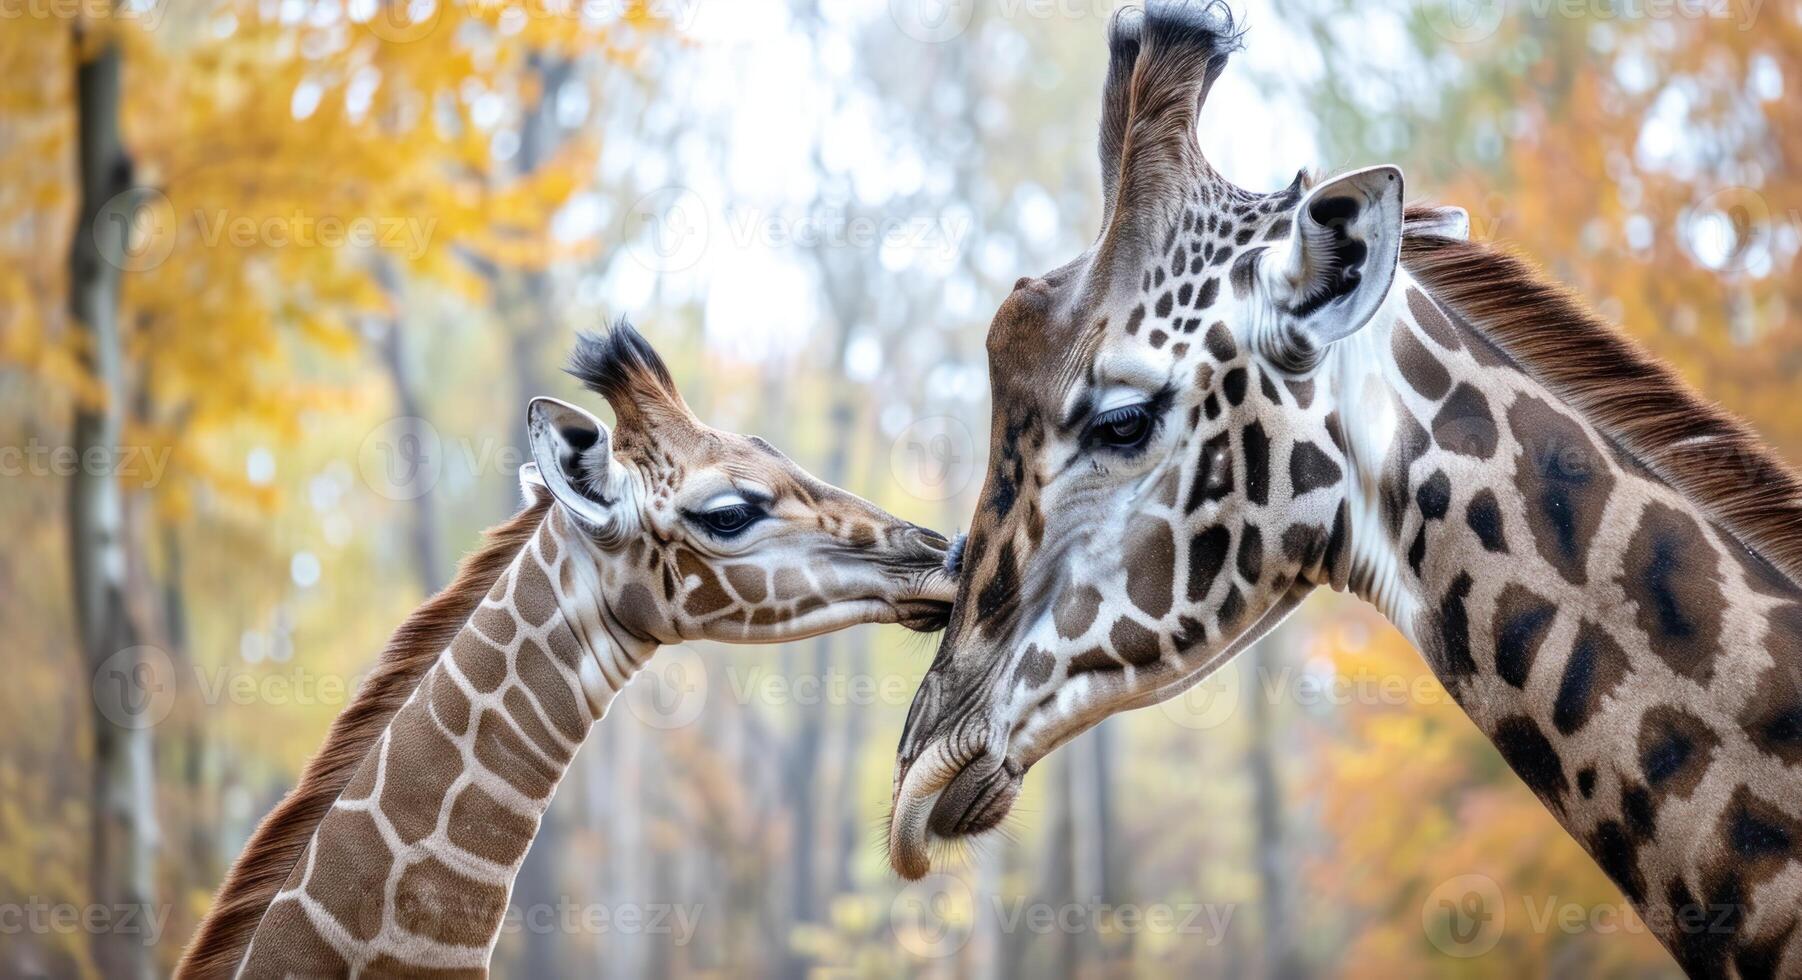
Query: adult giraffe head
{"x": 1234, "y": 398}
{"x": 711, "y": 535}
{"x": 1165, "y": 478}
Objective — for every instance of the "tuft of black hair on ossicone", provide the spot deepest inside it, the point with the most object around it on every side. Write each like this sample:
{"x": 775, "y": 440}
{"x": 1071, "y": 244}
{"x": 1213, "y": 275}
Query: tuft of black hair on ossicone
{"x": 619, "y": 365}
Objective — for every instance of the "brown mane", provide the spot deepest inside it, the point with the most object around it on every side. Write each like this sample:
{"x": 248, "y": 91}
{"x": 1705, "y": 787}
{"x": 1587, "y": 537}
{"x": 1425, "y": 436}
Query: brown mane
{"x": 1645, "y": 408}
{"x": 219, "y": 944}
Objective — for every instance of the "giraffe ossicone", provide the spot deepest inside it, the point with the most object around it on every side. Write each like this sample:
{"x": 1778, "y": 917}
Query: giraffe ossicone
{"x": 397, "y": 851}
{"x": 1233, "y": 398}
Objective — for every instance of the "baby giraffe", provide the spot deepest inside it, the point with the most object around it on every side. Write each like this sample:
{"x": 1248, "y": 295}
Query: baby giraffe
{"x": 397, "y": 851}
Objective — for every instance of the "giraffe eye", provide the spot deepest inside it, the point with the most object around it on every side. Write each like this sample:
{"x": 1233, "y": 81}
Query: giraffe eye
{"x": 1128, "y": 427}
{"x": 731, "y": 520}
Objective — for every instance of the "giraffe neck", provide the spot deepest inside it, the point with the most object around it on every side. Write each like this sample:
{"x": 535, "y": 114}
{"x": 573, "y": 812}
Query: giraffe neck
{"x": 411, "y": 868}
{"x": 1633, "y": 662}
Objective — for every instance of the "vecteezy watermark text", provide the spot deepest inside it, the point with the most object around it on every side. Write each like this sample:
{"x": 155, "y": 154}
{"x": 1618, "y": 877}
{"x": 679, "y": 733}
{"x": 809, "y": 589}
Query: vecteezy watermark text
{"x": 39, "y": 917}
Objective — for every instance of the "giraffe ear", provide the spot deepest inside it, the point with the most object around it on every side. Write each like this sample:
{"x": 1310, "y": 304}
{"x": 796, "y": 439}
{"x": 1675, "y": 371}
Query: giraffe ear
{"x": 572, "y": 454}
{"x": 1443, "y": 221}
{"x": 1340, "y": 260}
{"x": 531, "y": 485}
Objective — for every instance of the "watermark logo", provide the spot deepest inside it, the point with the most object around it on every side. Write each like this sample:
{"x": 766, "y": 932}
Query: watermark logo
{"x": 398, "y": 21}
{"x": 671, "y": 691}
{"x": 1464, "y": 21}
{"x": 667, "y": 229}
{"x": 402, "y": 458}
{"x": 135, "y": 229}
{"x": 932, "y": 21}
{"x": 933, "y": 458}
{"x": 1464, "y": 916}
{"x": 934, "y": 917}
{"x": 1208, "y": 703}
{"x": 1726, "y": 230}
{"x": 134, "y": 688}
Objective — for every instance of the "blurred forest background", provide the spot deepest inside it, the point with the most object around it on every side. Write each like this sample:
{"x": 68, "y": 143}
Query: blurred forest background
{"x": 277, "y": 278}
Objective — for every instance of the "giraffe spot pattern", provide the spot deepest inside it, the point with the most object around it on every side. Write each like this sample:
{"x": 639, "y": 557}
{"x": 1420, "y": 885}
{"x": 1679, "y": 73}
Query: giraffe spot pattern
{"x": 1464, "y": 424}
{"x": 1268, "y": 389}
{"x": 1302, "y": 390}
{"x": 1303, "y": 544}
{"x": 1418, "y": 366}
{"x": 358, "y": 854}
{"x": 1675, "y": 749}
{"x": 749, "y": 581}
{"x": 449, "y": 705}
{"x": 533, "y": 598}
{"x": 553, "y": 692}
{"x": 1231, "y": 606}
{"x": 1213, "y": 473}
{"x": 1311, "y": 469}
{"x": 1219, "y": 341}
{"x": 303, "y": 951}
{"x": 1431, "y": 321}
{"x": 1530, "y": 754}
{"x": 1207, "y": 555}
{"x": 501, "y": 751}
{"x": 480, "y": 825}
{"x": 1255, "y": 446}
{"x": 1671, "y": 575}
{"x": 1772, "y": 716}
{"x": 706, "y": 595}
{"x": 1453, "y": 661}
{"x": 1434, "y": 496}
{"x": 1245, "y": 271}
{"x": 1564, "y": 481}
{"x": 1484, "y": 517}
{"x": 1522, "y": 619}
{"x": 1000, "y": 593}
{"x": 495, "y": 624}
{"x": 1150, "y": 556}
{"x": 1251, "y": 554}
{"x": 1618, "y": 855}
{"x": 1411, "y": 444}
{"x": 1233, "y": 386}
{"x": 1075, "y": 611}
{"x": 1595, "y": 667}
{"x": 433, "y": 901}
{"x": 416, "y": 781}
{"x": 1134, "y": 643}
{"x": 1091, "y": 661}
{"x": 1335, "y": 539}
{"x": 1034, "y": 669}
{"x": 484, "y": 666}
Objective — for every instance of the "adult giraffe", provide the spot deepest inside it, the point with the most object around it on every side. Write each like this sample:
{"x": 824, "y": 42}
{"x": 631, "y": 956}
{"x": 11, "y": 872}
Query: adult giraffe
{"x": 1232, "y": 398}
{"x": 397, "y": 851}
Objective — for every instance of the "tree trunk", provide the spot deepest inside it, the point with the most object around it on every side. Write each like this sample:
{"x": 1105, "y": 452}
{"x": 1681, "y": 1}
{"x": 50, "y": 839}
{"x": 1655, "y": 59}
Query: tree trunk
{"x": 125, "y": 688}
{"x": 529, "y": 314}
{"x": 427, "y": 549}
{"x": 1279, "y": 952}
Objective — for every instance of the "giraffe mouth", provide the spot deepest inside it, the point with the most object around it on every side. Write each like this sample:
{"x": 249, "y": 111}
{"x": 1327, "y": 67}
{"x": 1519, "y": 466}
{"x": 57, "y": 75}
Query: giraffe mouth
{"x": 923, "y": 615}
{"x": 958, "y": 787}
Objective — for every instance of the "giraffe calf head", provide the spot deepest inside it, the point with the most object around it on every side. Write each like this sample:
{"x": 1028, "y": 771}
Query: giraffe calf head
{"x": 1167, "y": 474}
{"x": 703, "y": 534}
